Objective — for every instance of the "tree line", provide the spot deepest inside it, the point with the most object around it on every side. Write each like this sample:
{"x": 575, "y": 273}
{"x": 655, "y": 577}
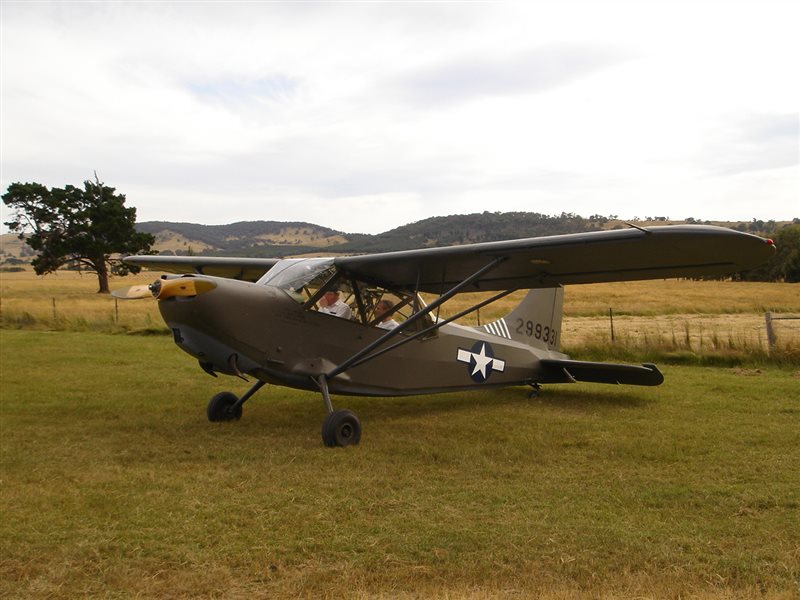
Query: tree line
{"x": 91, "y": 226}
{"x": 785, "y": 265}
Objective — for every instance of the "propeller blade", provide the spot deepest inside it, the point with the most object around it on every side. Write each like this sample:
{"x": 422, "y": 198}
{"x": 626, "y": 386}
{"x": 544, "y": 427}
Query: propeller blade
{"x": 133, "y": 292}
{"x": 163, "y": 289}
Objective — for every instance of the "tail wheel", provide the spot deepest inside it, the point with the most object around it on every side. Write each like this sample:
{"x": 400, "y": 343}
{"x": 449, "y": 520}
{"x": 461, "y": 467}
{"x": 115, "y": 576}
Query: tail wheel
{"x": 341, "y": 428}
{"x": 223, "y": 407}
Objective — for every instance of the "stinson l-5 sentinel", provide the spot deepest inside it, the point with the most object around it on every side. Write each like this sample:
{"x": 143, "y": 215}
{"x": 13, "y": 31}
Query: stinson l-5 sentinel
{"x": 261, "y": 317}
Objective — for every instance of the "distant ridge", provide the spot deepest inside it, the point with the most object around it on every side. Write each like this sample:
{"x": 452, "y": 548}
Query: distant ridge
{"x": 245, "y": 238}
{"x": 297, "y": 238}
{"x": 279, "y": 238}
{"x": 472, "y": 228}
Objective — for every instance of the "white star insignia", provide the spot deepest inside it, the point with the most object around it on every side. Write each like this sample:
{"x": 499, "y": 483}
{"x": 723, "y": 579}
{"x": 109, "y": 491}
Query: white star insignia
{"x": 482, "y": 361}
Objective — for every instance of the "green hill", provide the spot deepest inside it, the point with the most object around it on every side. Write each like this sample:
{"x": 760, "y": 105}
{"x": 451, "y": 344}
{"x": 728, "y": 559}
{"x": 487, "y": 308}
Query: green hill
{"x": 275, "y": 238}
{"x": 279, "y": 239}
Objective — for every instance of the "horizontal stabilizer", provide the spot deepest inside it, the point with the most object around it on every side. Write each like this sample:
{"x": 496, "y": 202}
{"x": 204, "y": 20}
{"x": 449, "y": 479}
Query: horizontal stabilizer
{"x": 591, "y": 372}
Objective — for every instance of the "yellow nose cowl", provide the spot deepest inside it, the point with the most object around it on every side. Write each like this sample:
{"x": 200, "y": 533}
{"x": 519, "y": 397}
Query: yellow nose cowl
{"x": 184, "y": 287}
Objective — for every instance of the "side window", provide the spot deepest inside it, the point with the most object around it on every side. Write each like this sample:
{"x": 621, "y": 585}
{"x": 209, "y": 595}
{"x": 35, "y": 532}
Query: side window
{"x": 324, "y": 290}
{"x": 388, "y": 309}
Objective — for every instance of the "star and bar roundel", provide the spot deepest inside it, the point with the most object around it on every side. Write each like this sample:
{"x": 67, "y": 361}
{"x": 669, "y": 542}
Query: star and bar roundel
{"x": 480, "y": 361}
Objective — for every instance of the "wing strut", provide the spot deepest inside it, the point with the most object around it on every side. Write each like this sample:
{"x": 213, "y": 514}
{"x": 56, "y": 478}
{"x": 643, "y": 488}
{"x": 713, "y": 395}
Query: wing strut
{"x": 364, "y": 352}
{"x": 433, "y": 327}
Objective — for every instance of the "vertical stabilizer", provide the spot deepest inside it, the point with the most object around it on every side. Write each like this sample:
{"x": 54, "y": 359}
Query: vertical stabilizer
{"x": 536, "y": 321}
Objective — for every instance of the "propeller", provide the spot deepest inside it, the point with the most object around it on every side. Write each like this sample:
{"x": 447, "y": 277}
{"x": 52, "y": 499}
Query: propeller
{"x": 161, "y": 289}
{"x": 134, "y": 292}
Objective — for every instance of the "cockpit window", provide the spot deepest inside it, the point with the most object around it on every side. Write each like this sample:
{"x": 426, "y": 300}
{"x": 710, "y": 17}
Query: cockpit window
{"x": 305, "y": 280}
{"x": 299, "y": 277}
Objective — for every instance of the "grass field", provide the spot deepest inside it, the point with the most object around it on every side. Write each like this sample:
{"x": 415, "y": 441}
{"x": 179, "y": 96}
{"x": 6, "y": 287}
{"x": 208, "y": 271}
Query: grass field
{"x": 114, "y": 485}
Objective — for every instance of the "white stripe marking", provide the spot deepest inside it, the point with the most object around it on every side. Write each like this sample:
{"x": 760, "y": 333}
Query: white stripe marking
{"x": 504, "y": 327}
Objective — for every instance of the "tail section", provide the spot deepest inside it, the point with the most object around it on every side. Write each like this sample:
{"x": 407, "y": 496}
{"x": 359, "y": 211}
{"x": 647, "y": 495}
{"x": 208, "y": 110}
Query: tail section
{"x": 536, "y": 321}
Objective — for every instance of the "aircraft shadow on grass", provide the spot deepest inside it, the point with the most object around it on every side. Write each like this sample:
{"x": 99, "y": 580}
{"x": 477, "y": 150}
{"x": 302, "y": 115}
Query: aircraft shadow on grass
{"x": 490, "y": 401}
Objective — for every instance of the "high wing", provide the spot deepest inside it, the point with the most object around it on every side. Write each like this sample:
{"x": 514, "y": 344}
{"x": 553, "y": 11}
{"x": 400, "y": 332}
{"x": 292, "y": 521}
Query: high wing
{"x": 593, "y": 257}
{"x": 246, "y": 269}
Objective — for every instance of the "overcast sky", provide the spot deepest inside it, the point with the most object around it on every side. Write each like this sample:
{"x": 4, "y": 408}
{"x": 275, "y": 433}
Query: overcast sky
{"x": 363, "y": 116}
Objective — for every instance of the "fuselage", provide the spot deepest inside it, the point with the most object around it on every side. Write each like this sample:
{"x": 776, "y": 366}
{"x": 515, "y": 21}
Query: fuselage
{"x": 246, "y": 328}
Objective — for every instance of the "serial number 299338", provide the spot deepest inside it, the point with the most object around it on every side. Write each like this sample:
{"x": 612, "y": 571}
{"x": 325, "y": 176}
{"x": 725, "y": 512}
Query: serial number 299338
{"x": 538, "y": 331}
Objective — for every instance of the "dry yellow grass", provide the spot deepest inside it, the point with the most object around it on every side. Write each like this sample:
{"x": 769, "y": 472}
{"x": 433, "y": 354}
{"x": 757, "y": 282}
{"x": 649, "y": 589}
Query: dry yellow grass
{"x": 171, "y": 241}
{"x": 673, "y": 296}
{"x": 689, "y": 331}
{"x": 661, "y": 297}
{"x": 672, "y": 314}
{"x": 300, "y": 236}
{"x": 692, "y": 315}
{"x": 11, "y": 245}
{"x": 68, "y": 299}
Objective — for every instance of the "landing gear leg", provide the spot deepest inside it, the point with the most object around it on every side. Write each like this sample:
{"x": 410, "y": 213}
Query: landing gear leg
{"x": 226, "y": 407}
{"x": 535, "y": 389}
{"x": 340, "y": 427}
{"x": 326, "y": 396}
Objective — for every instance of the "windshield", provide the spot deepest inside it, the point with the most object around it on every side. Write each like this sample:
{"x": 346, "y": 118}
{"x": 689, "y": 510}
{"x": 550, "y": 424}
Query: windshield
{"x": 298, "y": 275}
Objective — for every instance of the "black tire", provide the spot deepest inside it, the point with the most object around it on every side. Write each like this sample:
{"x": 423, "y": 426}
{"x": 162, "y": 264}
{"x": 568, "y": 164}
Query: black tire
{"x": 220, "y": 408}
{"x": 341, "y": 428}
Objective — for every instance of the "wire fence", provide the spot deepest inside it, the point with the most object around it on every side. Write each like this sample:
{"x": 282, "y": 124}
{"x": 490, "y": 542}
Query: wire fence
{"x": 698, "y": 332}
{"x": 772, "y": 330}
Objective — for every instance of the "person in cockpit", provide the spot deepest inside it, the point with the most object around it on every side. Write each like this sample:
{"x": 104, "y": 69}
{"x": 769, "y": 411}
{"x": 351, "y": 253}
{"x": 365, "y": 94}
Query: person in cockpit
{"x": 331, "y": 304}
{"x": 383, "y": 310}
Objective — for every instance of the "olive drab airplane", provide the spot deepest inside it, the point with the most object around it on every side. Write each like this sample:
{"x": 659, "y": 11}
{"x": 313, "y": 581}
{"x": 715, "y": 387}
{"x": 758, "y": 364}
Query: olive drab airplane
{"x": 358, "y": 325}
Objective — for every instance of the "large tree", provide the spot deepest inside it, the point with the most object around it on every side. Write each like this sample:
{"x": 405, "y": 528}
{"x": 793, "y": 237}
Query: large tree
{"x": 88, "y": 226}
{"x": 786, "y": 265}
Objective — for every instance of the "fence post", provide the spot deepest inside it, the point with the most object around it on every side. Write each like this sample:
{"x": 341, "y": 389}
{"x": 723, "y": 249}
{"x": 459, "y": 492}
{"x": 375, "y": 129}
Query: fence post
{"x": 771, "y": 341}
{"x": 611, "y": 319}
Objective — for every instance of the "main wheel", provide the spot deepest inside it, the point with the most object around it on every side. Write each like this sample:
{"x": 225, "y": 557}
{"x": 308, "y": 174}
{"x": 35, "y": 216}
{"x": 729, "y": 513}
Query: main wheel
{"x": 341, "y": 428}
{"x": 221, "y": 408}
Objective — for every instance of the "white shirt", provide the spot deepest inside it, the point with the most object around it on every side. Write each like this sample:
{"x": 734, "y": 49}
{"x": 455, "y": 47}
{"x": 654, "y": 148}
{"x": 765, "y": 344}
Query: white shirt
{"x": 337, "y": 309}
{"x": 390, "y": 324}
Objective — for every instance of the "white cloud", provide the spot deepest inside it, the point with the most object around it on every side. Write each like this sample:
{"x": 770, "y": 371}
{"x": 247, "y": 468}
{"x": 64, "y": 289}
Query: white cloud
{"x": 218, "y": 112}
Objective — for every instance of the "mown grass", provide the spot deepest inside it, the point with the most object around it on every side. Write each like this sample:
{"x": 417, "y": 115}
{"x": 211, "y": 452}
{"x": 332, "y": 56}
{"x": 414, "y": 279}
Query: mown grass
{"x": 115, "y": 485}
